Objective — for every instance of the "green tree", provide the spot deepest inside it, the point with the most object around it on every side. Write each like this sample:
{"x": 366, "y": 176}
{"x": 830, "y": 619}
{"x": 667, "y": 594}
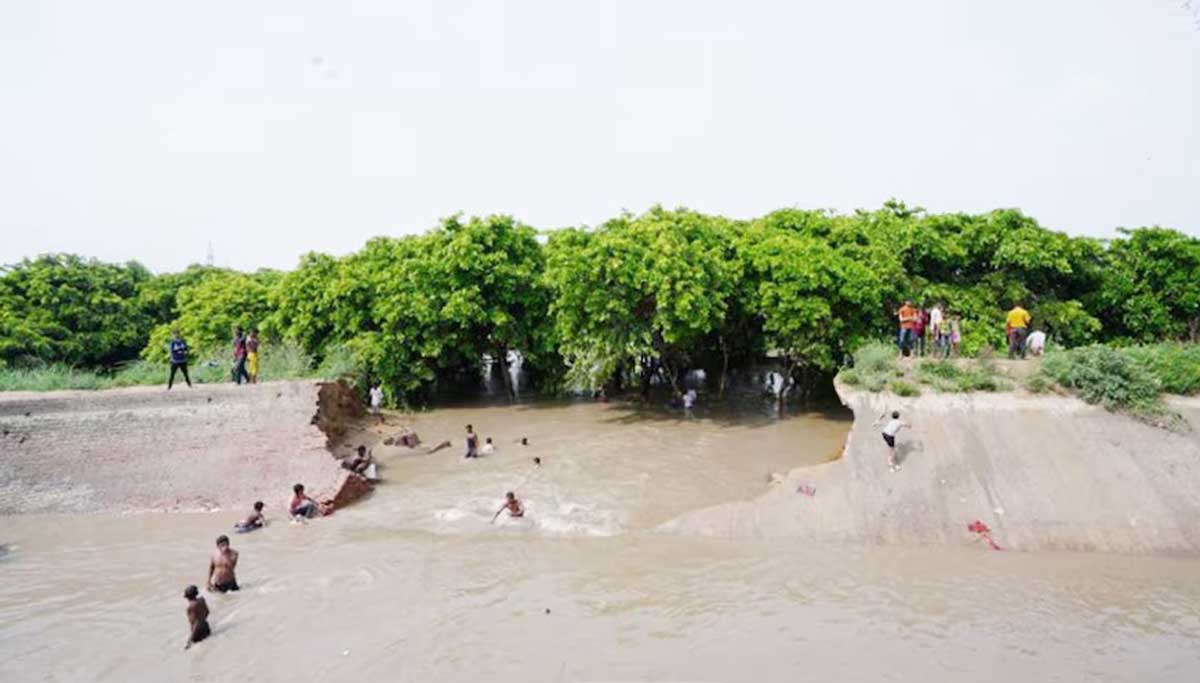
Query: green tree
{"x": 209, "y": 309}
{"x": 815, "y": 301}
{"x": 1149, "y": 290}
{"x": 63, "y": 308}
{"x": 641, "y": 292}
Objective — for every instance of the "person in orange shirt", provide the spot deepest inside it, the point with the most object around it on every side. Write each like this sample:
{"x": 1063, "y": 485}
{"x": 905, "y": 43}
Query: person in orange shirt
{"x": 908, "y": 320}
{"x": 1016, "y": 324}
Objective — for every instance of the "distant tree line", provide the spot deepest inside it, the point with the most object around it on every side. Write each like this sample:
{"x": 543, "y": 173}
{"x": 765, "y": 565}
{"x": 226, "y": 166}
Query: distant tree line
{"x": 637, "y": 300}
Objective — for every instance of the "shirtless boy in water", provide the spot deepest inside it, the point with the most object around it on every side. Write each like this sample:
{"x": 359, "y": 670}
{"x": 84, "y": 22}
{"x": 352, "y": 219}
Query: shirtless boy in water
{"x": 256, "y": 520}
{"x": 220, "y": 568}
{"x": 197, "y": 614}
{"x": 514, "y": 507}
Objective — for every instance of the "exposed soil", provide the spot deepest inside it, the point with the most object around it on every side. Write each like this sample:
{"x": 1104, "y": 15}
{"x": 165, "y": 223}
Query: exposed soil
{"x": 146, "y": 448}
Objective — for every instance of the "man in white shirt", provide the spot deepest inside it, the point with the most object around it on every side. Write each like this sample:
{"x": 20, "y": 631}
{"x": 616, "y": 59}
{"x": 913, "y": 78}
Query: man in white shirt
{"x": 1036, "y": 342}
{"x": 377, "y": 401}
{"x": 939, "y": 329}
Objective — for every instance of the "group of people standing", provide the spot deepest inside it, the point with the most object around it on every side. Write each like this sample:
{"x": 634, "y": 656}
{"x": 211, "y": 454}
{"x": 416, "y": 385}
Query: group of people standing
{"x": 245, "y": 357}
{"x": 943, "y": 329}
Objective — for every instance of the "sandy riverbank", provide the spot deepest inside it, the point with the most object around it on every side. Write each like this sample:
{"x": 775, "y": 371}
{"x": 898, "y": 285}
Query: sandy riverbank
{"x": 144, "y": 448}
{"x": 1044, "y": 472}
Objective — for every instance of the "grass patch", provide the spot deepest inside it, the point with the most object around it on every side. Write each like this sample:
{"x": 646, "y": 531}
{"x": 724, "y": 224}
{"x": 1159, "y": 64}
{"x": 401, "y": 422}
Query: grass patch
{"x": 900, "y": 387}
{"x": 961, "y": 376}
{"x": 1038, "y": 384}
{"x": 276, "y": 362}
{"x": 875, "y": 366}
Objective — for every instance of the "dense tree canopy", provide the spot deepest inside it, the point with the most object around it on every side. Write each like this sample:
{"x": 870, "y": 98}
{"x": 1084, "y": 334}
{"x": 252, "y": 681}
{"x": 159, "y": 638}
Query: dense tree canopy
{"x": 638, "y": 299}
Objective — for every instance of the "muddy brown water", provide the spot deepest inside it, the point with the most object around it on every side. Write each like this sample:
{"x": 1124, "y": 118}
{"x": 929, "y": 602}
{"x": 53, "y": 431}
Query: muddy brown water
{"x": 414, "y": 584}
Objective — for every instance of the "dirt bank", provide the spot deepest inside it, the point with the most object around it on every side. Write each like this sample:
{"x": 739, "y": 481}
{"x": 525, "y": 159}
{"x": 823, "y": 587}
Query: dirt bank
{"x": 144, "y": 448}
{"x": 1044, "y": 472}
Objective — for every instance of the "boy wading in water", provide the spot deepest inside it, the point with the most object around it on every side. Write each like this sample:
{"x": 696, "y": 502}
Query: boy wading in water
{"x": 197, "y": 614}
{"x": 220, "y": 567}
{"x": 472, "y": 443}
{"x": 890, "y": 430}
{"x": 514, "y": 507}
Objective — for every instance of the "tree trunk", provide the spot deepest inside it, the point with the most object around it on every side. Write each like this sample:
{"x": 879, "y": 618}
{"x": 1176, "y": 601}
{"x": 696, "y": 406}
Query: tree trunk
{"x": 502, "y": 360}
{"x": 648, "y": 370}
{"x": 789, "y": 381}
{"x": 672, "y": 374}
{"x": 724, "y": 374}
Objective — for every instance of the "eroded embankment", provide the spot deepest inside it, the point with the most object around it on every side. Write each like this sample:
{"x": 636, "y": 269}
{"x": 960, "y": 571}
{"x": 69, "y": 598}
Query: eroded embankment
{"x": 1044, "y": 472}
{"x": 144, "y": 448}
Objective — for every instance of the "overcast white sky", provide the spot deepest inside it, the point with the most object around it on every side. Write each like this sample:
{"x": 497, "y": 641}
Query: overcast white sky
{"x": 142, "y": 129}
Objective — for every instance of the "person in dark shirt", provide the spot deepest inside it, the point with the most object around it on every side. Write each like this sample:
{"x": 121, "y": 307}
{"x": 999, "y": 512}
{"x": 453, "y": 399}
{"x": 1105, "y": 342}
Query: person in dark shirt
{"x": 179, "y": 353}
{"x": 239, "y": 356}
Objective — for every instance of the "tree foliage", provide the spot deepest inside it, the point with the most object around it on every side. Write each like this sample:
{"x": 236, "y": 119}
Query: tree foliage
{"x": 640, "y": 298}
{"x": 63, "y": 308}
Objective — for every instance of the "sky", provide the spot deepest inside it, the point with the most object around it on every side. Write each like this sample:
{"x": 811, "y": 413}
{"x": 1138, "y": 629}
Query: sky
{"x": 148, "y": 130}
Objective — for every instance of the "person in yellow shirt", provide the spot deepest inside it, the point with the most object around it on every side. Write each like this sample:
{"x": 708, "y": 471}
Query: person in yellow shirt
{"x": 1016, "y": 324}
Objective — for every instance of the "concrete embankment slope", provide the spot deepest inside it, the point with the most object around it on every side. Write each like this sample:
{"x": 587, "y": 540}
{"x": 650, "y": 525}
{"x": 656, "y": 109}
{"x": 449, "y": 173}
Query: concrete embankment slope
{"x": 144, "y": 448}
{"x": 1044, "y": 472}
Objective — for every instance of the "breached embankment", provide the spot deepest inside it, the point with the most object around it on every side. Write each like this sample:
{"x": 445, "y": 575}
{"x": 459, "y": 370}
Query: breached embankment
{"x": 145, "y": 448}
{"x": 1044, "y": 472}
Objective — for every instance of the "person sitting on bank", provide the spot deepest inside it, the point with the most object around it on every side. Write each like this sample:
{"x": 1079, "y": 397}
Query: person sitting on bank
{"x": 220, "y": 568}
{"x": 304, "y": 507}
{"x": 488, "y": 447}
{"x": 256, "y": 520}
{"x": 197, "y": 615}
{"x": 514, "y": 507}
{"x": 360, "y": 462}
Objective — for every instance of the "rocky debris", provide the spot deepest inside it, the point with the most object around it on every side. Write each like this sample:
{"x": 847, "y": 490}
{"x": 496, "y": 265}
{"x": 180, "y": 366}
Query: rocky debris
{"x": 406, "y": 438}
{"x": 349, "y": 488}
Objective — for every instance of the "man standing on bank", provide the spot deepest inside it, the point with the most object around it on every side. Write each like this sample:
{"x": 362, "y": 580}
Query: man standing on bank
{"x": 178, "y": 349}
{"x": 1016, "y": 324}
{"x": 239, "y": 356}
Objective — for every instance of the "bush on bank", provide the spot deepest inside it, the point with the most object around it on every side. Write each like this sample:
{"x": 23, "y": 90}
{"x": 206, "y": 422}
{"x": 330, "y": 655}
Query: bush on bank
{"x": 1105, "y": 376}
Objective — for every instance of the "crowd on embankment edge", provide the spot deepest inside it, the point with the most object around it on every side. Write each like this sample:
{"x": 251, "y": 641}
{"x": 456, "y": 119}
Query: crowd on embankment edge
{"x": 637, "y": 300}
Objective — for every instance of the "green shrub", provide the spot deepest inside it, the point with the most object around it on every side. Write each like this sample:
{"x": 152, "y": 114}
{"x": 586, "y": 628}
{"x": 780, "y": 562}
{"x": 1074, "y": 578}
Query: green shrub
{"x": 874, "y": 366}
{"x": 1107, "y": 377}
{"x": 961, "y": 376}
{"x": 338, "y": 363}
{"x": 900, "y": 387}
{"x": 1037, "y": 384}
{"x": 1175, "y": 366}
